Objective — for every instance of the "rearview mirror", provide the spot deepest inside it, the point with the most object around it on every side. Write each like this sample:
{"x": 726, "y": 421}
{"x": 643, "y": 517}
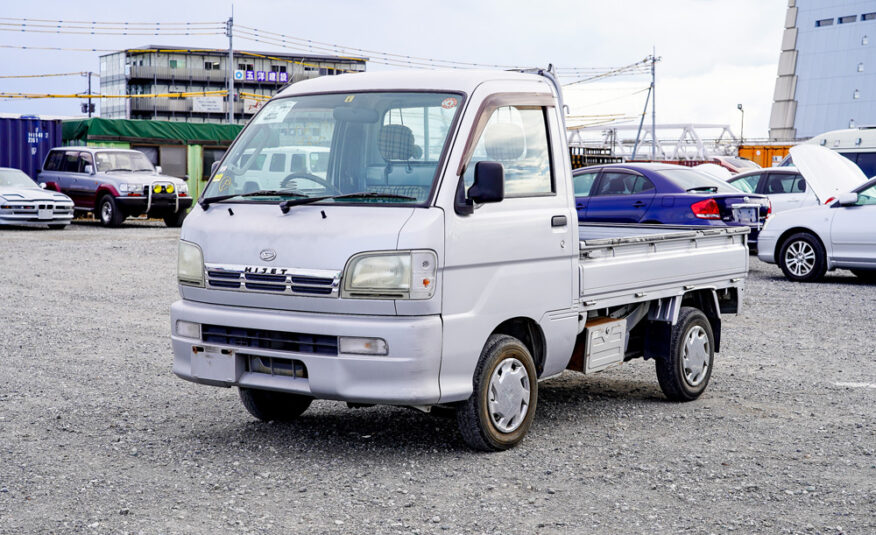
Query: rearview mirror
{"x": 350, "y": 114}
{"x": 489, "y": 183}
{"x": 846, "y": 199}
{"x": 88, "y": 169}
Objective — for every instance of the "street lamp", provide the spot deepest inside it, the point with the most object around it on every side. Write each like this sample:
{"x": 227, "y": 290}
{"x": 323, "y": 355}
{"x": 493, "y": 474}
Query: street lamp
{"x": 741, "y": 124}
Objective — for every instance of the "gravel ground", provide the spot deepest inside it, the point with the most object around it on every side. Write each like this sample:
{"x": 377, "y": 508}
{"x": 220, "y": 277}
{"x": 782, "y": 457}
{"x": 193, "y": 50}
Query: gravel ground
{"x": 98, "y": 436}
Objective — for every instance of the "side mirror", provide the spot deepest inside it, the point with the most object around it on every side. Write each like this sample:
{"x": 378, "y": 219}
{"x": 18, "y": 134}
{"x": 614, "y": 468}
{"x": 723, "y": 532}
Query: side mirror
{"x": 185, "y": 178}
{"x": 43, "y": 185}
{"x": 88, "y": 169}
{"x": 846, "y": 199}
{"x": 214, "y": 167}
{"x": 158, "y": 169}
{"x": 489, "y": 183}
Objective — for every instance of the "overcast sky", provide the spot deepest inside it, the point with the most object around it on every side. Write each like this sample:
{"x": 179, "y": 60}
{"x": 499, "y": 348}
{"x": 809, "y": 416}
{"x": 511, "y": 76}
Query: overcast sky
{"x": 716, "y": 53}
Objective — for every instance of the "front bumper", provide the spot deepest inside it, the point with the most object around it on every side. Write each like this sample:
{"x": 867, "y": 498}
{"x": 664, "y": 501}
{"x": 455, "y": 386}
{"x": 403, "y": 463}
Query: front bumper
{"x": 159, "y": 204}
{"x": 408, "y": 375}
{"x": 36, "y": 214}
{"x": 766, "y": 250}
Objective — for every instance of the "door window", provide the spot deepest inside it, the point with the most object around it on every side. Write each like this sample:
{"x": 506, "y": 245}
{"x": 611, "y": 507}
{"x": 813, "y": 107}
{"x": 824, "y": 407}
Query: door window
{"x": 799, "y": 184}
{"x": 584, "y": 183}
{"x": 516, "y": 137}
{"x": 780, "y": 183}
{"x": 868, "y": 196}
{"x": 55, "y": 161}
{"x": 71, "y": 162}
{"x": 617, "y": 183}
{"x": 85, "y": 159}
{"x": 748, "y": 184}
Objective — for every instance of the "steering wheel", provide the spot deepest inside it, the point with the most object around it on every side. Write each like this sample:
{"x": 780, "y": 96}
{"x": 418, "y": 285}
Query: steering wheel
{"x": 292, "y": 176}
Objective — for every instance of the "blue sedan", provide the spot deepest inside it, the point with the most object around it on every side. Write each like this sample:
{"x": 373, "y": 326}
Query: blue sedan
{"x": 664, "y": 194}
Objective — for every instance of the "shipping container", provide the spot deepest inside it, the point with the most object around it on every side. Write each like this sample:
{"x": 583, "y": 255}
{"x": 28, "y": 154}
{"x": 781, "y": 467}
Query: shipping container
{"x": 25, "y": 141}
{"x": 765, "y": 154}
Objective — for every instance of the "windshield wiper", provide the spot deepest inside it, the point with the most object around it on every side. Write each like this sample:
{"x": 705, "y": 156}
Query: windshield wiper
{"x": 711, "y": 189}
{"x": 285, "y": 205}
{"x": 118, "y": 169}
{"x": 141, "y": 170}
{"x": 207, "y": 201}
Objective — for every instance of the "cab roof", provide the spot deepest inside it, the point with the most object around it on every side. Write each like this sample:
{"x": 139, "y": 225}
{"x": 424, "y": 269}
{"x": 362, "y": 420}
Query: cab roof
{"x": 415, "y": 80}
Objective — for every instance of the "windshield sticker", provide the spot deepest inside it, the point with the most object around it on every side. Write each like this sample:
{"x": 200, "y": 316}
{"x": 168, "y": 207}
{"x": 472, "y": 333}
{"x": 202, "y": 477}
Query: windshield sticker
{"x": 224, "y": 182}
{"x": 449, "y": 103}
{"x": 275, "y": 113}
{"x": 349, "y": 98}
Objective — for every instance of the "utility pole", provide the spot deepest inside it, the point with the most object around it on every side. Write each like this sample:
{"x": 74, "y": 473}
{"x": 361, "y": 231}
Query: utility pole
{"x": 89, "y": 94}
{"x": 229, "y": 25}
{"x": 654, "y": 61}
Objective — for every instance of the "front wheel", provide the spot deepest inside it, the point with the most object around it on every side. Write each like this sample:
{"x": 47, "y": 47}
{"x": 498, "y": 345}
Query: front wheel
{"x": 802, "y": 258}
{"x": 267, "y": 405}
{"x": 500, "y": 410}
{"x": 175, "y": 220}
{"x": 685, "y": 371}
{"x": 109, "y": 213}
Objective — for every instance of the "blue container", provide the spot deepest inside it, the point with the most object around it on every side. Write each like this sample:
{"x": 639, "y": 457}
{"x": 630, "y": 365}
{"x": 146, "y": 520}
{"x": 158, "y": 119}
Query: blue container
{"x": 25, "y": 141}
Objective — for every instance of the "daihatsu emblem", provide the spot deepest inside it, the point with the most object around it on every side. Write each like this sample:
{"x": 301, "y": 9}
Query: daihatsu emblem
{"x": 267, "y": 254}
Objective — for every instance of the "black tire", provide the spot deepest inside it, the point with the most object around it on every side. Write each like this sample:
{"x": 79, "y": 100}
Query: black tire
{"x": 473, "y": 416}
{"x": 175, "y": 220}
{"x": 267, "y": 405}
{"x": 802, "y": 258}
{"x": 866, "y": 275}
{"x": 108, "y": 212}
{"x": 59, "y": 226}
{"x": 676, "y": 382}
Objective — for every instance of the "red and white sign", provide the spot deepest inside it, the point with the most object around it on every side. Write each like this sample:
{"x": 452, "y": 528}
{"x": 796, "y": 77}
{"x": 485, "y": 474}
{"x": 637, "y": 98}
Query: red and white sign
{"x": 449, "y": 103}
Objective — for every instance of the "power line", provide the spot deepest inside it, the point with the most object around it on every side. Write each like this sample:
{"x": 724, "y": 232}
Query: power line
{"x": 80, "y": 73}
{"x": 94, "y": 95}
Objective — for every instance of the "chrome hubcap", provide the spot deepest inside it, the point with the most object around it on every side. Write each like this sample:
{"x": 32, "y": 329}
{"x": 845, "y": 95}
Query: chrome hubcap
{"x": 696, "y": 355}
{"x": 508, "y": 397}
{"x": 800, "y": 258}
{"x": 106, "y": 211}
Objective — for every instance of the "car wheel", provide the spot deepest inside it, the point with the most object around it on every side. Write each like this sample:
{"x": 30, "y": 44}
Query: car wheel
{"x": 802, "y": 258}
{"x": 502, "y": 406}
{"x": 267, "y": 405}
{"x": 684, "y": 372}
{"x": 108, "y": 212}
{"x": 175, "y": 220}
{"x": 867, "y": 275}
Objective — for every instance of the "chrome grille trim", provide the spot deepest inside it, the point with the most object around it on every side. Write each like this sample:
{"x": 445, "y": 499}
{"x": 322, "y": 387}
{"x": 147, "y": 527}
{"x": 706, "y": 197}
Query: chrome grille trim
{"x": 273, "y": 280}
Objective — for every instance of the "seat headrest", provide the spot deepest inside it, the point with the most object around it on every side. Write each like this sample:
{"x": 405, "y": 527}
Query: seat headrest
{"x": 504, "y": 141}
{"x": 395, "y": 142}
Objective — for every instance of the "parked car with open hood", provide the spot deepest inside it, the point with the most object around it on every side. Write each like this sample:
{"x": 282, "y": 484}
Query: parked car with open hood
{"x": 23, "y": 202}
{"x": 115, "y": 184}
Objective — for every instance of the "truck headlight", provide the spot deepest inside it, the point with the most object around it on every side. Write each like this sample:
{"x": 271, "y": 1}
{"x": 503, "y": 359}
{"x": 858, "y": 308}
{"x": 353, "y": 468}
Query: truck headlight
{"x": 391, "y": 275}
{"x": 182, "y": 188}
{"x": 131, "y": 188}
{"x": 190, "y": 264}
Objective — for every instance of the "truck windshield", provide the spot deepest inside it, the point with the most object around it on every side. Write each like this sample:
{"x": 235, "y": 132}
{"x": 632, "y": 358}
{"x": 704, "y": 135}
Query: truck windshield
{"x": 386, "y": 146}
{"x": 122, "y": 161}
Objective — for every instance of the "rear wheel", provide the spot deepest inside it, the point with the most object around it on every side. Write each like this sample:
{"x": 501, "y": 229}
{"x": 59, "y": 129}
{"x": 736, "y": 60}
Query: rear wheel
{"x": 867, "y": 275}
{"x": 802, "y": 258}
{"x": 175, "y": 220}
{"x": 685, "y": 371}
{"x": 500, "y": 410}
{"x": 267, "y": 405}
{"x": 108, "y": 212}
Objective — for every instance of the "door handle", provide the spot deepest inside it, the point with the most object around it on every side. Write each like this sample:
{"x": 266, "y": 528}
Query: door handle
{"x": 558, "y": 221}
{"x": 638, "y": 204}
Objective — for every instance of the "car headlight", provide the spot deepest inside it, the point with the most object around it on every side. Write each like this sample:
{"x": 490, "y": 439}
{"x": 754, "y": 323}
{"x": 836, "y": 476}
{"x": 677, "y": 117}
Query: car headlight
{"x": 131, "y": 188}
{"x": 391, "y": 275}
{"x": 190, "y": 264}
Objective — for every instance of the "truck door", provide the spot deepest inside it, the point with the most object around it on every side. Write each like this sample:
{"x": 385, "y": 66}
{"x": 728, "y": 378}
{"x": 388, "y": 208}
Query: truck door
{"x": 513, "y": 258}
{"x": 86, "y": 182}
{"x": 68, "y": 175}
{"x": 620, "y": 196}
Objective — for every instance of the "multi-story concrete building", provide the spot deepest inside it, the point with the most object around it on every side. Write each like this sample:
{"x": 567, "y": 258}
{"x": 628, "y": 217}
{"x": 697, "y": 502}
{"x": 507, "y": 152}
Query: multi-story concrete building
{"x": 164, "y": 69}
{"x": 827, "y": 68}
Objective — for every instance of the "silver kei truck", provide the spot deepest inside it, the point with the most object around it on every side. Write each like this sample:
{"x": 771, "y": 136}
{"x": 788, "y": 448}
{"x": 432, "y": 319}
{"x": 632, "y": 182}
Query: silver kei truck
{"x": 115, "y": 184}
{"x": 438, "y": 262}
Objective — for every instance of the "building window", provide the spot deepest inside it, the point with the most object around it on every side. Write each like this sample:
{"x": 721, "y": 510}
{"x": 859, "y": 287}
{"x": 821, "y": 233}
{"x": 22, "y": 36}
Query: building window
{"x": 868, "y": 16}
{"x": 860, "y": 67}
{"x": 173, "y": 64}
{"x": 823, "y": 22}
{"x": 278, "y": 68}
{"x": 847, "y": 19}
{"x": 245, "y": 66}
{"x": 211, "y": 65}
{"x": 856, "y": 95}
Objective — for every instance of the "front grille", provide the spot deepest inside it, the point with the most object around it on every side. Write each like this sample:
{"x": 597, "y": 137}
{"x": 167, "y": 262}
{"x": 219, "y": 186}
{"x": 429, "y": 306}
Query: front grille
{"x": 275, "y": 366}
{"x": 286, "y": 281}
{"x": 272, "y": 340}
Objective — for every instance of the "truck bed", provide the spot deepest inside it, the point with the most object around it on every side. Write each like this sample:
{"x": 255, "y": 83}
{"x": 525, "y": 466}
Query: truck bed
{"x": 627, "y": 263}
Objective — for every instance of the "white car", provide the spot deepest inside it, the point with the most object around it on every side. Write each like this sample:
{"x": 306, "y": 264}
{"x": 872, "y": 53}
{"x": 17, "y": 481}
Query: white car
{"x": 821, "y": 175}
{"x": 24, "y": 203}
{"x": 808, "y": 242}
